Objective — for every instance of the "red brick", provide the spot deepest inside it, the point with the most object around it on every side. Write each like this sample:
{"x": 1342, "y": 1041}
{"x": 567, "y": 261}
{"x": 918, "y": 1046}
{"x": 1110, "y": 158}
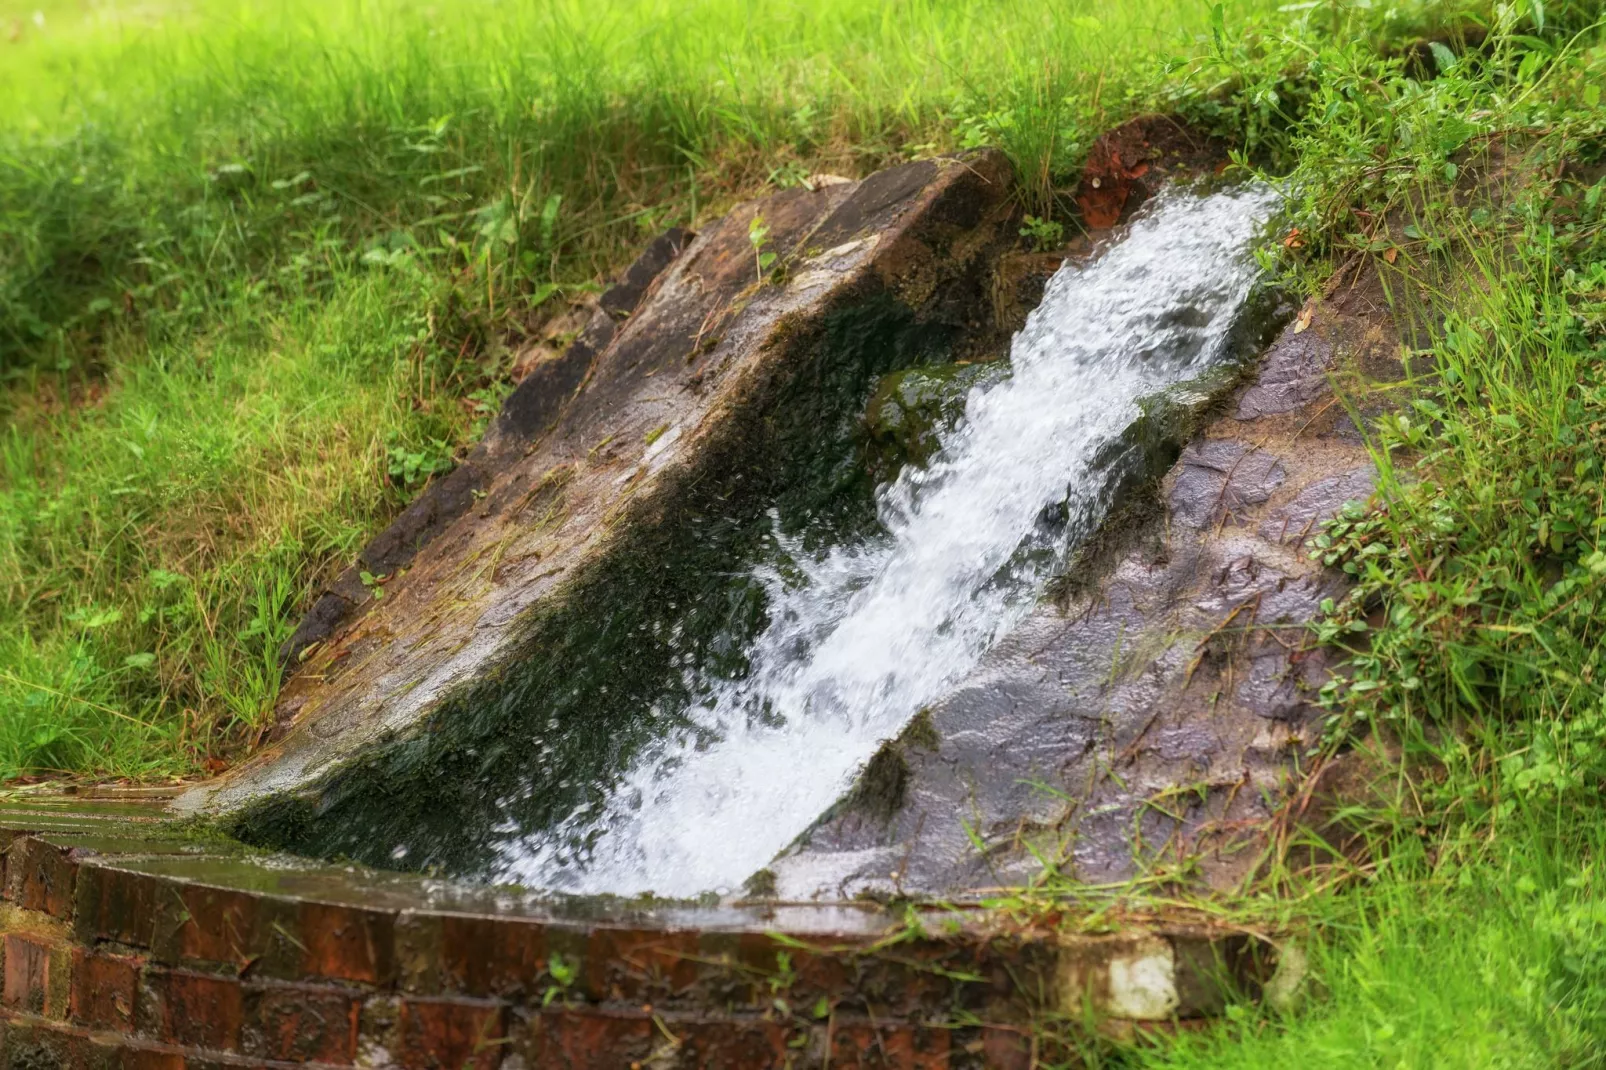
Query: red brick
{"x": 887, "y": 1046}
{"x": 104, "y": 989}
{"x": 833, "y": 975}
{"x": 591, "y": 1038}
{"x": 583, "y": 1038}
{"x": 640, "y": 965}
{"x": 27, "y": 981}
{"x": 750, "y": 1043}
{"x": 212, "y": 925}
{"x": 33, "y": 1043}
{"x": 1006, "y": 1049}
{"x": 734, "y": 969}
{"x": 191, "y": 1010}
{"x": 492, "y": 956}
{"x": 300, "y": 1023}
{"x": 40, "y": 876}
{"x": 347, "y": 943}
{"x": 144, "y": 1057}
{"x": 26, "y": 1044}
{"x": 117, "y": 906}
{"x": 439, "y": 1034}
{"x": 748, "y": 950}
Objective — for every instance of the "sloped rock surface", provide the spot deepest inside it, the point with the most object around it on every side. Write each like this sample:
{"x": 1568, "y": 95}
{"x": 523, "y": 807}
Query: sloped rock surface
{"x": 1152, "y": 725}
{"x": 611, "y": 472}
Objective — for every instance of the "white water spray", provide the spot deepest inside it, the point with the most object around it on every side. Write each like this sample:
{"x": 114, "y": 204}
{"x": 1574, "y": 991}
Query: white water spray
{"x": 876, "y": 631}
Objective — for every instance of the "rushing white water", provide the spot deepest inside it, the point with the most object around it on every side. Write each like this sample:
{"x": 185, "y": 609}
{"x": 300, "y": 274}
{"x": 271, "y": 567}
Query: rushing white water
{"x": 874, "y": 632}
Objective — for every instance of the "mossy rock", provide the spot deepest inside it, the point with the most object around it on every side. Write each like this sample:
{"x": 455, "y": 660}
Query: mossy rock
{"x": 911, "y": 409}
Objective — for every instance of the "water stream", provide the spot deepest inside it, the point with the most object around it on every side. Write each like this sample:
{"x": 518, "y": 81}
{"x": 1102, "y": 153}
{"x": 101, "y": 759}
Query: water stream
{"x": 861, "y": 637}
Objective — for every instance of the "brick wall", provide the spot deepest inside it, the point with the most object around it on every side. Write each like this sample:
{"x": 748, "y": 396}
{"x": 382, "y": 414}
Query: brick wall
{"x": 124, "y": 944}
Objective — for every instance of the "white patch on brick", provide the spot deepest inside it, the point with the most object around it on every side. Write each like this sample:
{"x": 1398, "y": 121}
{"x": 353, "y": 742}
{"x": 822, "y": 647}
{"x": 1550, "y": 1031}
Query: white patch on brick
{"x": 1282, "y": 992}
{"x": 1143, "y": 985}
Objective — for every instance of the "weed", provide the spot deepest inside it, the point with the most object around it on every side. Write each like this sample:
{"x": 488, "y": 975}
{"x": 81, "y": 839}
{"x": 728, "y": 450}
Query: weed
{"x": 758, "y": 236}
{"x": 1044, "y": 234}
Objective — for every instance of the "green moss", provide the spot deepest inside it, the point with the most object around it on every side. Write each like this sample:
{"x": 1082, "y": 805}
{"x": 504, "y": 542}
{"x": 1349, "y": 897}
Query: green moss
{"x": 911, "y": 408}
{"x": 921, "y": 732}
{"x": 883, "y": 786}
{"x": 760, "y": 885}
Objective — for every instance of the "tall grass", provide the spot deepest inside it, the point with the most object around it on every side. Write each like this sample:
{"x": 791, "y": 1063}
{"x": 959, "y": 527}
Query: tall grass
{"x": 261, "y": 265}
{"x": 141, "y": 153}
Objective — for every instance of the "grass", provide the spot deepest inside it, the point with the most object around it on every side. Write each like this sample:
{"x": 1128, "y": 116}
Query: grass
{"x": 1472, "y": 932}
{"x": 1495, "y": 965}
{"x": 264, "y": 268}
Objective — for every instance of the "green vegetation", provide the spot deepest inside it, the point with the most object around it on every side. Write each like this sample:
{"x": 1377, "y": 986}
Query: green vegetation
{"x": 263, "y": 270}
{"x": 1478, "y": 937}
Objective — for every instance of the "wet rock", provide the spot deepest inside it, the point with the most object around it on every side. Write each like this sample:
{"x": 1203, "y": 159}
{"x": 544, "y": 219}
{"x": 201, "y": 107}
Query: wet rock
{"x": 535, "y": 643}
{"x": 1153, "y": 721}
{"x": 1219, "y": 480}
{"x": 1321, "y": 501}
{"x": 1127, "y": 164}
{"x": 1293, "y": 375}
{"x": 527, "y": 413}
{"x": 910, "y": 410}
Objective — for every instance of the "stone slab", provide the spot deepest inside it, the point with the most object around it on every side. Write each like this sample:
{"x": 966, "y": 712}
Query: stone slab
{"x": 1149, "y": 727}
{"x": 612, "y": 443}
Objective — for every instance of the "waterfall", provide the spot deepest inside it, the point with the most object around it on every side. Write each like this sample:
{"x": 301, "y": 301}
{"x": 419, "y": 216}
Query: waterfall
{"x": 861, "y": 637}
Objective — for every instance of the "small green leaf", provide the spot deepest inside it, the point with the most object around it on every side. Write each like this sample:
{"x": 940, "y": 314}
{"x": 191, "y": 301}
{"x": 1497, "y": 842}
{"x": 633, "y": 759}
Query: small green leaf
{"x": 1453, "y": 133}
{"x": 96, "y": 618}
{"x": 161, "y": 579}
{"x": 140, "y": 661}
{"x": 757, "y": 232}
{"x": 549, "y": 219}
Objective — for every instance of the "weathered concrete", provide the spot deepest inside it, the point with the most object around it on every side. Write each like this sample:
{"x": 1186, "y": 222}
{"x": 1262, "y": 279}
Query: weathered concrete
{"x": 127, "y": 944}
{"x": 1153, "y": 723}
{"x": 607, "y": 439}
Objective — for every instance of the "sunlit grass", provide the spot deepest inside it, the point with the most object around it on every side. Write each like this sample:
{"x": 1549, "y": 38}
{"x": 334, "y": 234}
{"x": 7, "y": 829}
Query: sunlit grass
{"x": 248, "y": 250}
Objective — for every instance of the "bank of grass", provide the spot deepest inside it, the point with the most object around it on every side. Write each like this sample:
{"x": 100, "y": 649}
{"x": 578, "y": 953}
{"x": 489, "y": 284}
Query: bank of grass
{"x": 1472, "y": 933}
{"x": 263, "y": 268}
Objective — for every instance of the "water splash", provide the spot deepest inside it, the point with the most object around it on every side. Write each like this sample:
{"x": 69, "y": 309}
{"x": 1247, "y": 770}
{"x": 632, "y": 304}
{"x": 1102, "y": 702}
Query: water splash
{"x": 862, "y": 637}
